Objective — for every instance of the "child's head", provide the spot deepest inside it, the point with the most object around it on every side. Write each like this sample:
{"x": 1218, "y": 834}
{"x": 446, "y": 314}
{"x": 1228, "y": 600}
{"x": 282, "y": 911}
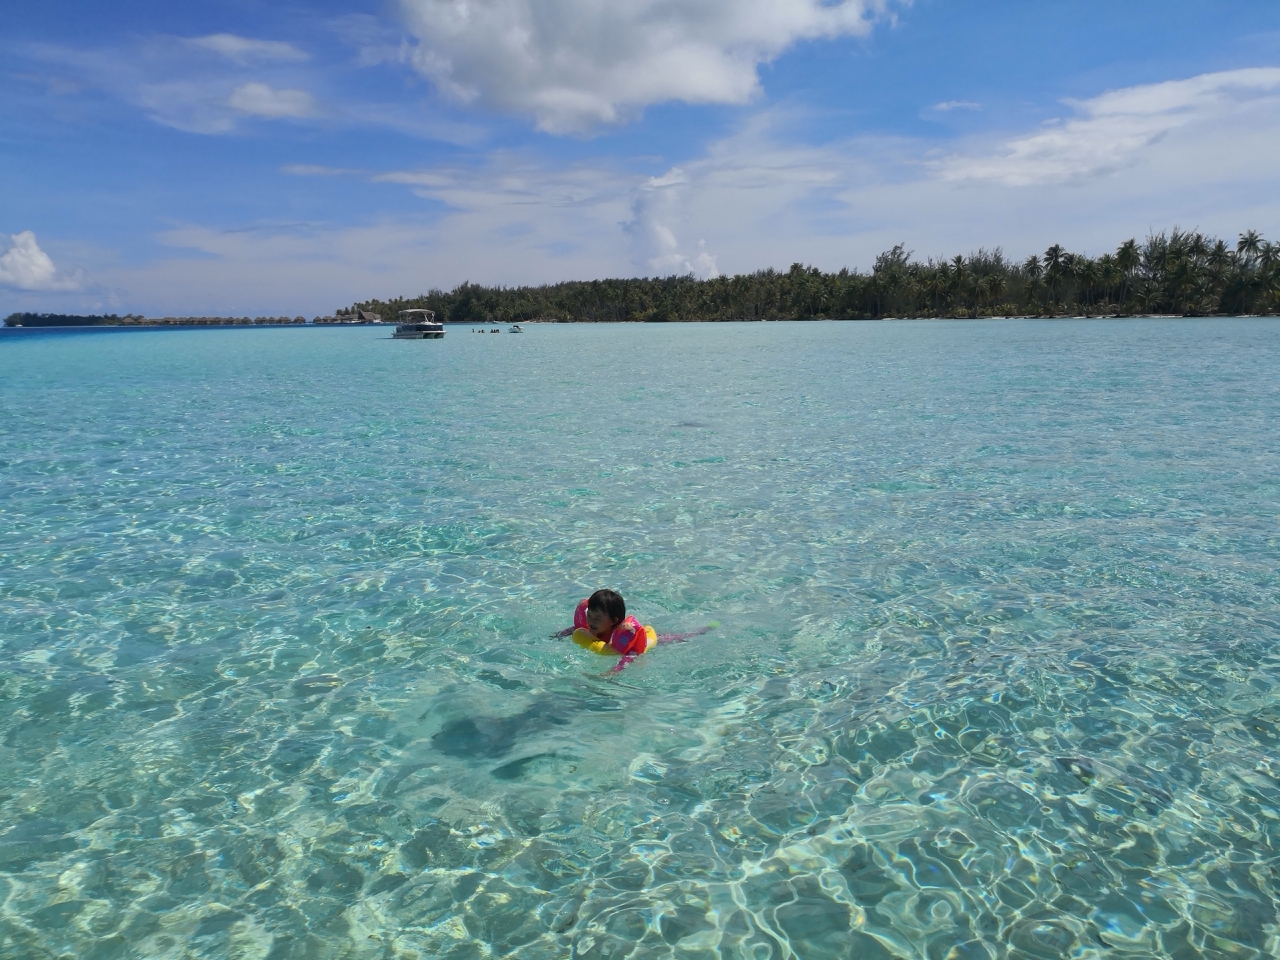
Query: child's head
{"x": 605, "y": 610}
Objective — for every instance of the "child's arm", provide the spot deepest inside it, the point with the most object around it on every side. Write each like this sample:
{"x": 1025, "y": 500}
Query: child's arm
{"x": 663, "y": 638}
{"x": 566, "y": 632}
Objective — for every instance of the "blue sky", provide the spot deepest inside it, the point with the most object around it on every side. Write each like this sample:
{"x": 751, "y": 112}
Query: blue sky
{"x": 250, "y": 158}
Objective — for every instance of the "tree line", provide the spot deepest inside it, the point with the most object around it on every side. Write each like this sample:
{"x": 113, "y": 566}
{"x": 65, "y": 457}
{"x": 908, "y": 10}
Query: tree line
{"x": 1183, "y": 272}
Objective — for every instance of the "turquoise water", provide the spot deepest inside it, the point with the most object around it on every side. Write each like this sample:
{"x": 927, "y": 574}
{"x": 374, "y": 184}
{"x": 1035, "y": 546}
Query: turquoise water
{"x": 995, "y": 673}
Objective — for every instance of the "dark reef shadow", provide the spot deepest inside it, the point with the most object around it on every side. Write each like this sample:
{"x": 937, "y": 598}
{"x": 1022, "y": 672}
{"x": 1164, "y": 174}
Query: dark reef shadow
{"x": 485, "y": 738}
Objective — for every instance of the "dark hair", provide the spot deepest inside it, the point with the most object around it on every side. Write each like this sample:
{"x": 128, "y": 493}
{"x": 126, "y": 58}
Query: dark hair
{"x": 610, "y": 603}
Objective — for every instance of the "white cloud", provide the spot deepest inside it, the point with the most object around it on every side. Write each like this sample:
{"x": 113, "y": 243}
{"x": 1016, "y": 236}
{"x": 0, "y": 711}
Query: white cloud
{"x": 261, "y": 100}
{"x": 248, "y": 50}
{"x": 655, "y": 212}
{"x": 25, "y": 266}
{"x": 948, "y": 105}
{"x": 181, "y": 89}
{"x": 759, "y": 198}
{"x": 196, "y": 92}
{"x": 1114, "y": 130}
{"x": 419, "y": 178}
{"x": 316, "y": 170}
{"x": 315, "y": 269}
{"x": 764, "y": 197}
{"x": 577, "y": 63}
{"x": 505, "y": 185}
{"x": 565, "y": 206}
{"x": 189, "y": 105}
{"x": 507, "y": 219}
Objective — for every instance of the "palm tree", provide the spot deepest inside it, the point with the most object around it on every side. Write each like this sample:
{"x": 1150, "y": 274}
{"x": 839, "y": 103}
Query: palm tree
{"x": 1053, "y": 262}
{"x": 1127, "y": 256}
{"x": 1268, "y": 254}
{"x": 1066, "y": 271}
{"x": 959, "y": 275}
{"x": 1090, "y": 273}
{"x": 1147, "y": 294}
{"x": 1154, "y": 257}
{"x": 1108, "y": 276}
{"x": 993, "y": 285}
{"x": 1205, "y": 297}
{"x": 1032, "y": 271}
{"x": 1271, "y": 291}
{"x": 1250, "y": 244}
{"x": 940, "y": 285}
{"x": 1198, "y": 246}
{"x": 1182, "y": 281}
{"x": 1219, "y": 256}
{"x": 1127, "y": 260}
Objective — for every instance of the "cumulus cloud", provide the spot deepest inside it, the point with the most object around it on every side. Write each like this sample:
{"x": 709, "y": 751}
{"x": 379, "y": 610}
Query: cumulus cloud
{"x": 573, "y": 64}
{"x": 261, "y": 100}
{"x": 522, "y": 197}
{"x": 246, "y": 49}
{"x": 764, "y": 196}
{"x": 25, "y": 266}
{"x": 655, "y": 210}
{"x": 1114, "y": 130}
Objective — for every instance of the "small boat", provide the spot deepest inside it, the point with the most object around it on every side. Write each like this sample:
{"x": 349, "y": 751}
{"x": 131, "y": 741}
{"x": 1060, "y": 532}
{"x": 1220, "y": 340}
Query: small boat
{"x": 418, "y": 325}
{"x": 516, "y": 328}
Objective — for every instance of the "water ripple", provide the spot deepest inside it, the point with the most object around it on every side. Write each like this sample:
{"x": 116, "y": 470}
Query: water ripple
{"x": 995, "y": 676}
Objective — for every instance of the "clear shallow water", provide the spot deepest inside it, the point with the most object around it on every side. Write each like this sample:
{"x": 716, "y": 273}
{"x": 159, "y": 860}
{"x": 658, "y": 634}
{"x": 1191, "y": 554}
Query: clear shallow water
{"x": 996, "y": 671}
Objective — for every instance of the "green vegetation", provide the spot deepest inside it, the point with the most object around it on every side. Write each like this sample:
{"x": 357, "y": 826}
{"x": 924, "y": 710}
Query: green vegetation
{"x": 1180, "y": 273}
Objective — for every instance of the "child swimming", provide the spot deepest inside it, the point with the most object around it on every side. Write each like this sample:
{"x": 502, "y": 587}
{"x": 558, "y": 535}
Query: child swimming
{"x": 601, "y": 625}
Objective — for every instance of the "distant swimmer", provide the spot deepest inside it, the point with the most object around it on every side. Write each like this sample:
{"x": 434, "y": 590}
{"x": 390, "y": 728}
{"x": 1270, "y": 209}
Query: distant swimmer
{"x": 601, "y": 625}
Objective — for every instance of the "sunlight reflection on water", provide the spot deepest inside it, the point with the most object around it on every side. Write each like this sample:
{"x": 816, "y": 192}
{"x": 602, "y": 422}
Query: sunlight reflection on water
{"x": 995, "y": 674}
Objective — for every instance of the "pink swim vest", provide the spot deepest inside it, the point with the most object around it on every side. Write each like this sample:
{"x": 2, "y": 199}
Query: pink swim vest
{"x": 628, "y": 637}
